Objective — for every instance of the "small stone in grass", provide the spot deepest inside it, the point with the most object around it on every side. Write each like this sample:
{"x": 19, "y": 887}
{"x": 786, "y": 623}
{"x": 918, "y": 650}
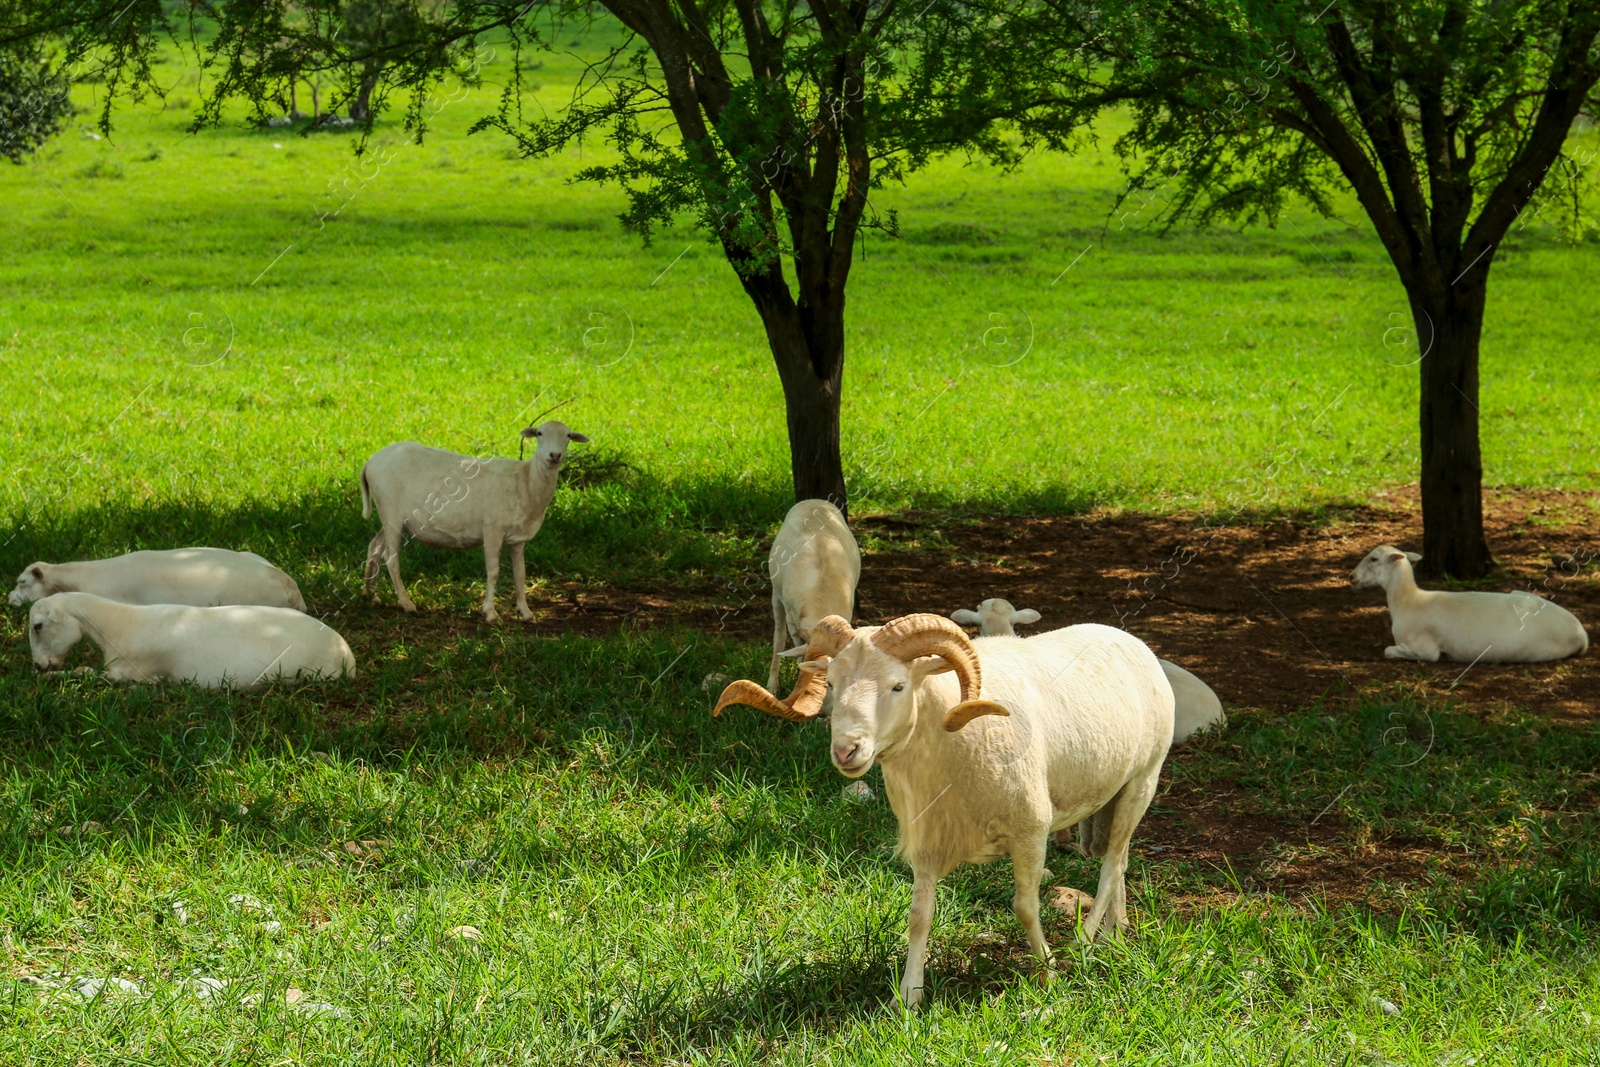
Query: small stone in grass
{"x": 89, "y": 988}
{"x": 714, "y": 683}
{"x": 859, "y": 792}
{"x": 272, "y": 927}
{"x": 205, "y": 988}
{"x": 1388, "y": 1007}
{"x": 465, "y": 933}
{"x": 1074, "y": 902}
{"x": 1046, "y": 875}
{"x": 180, "y": 912}
{"x": 246, "y": 902}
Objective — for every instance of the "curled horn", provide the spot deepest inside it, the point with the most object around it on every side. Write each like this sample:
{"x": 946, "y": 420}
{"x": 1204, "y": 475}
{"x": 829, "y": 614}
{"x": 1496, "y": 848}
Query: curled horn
{"x": 911, "y": 636}
{"x": 802, "y": 705}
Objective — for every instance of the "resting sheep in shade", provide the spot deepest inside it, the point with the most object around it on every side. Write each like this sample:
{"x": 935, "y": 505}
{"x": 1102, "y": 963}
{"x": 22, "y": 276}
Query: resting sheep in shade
{"x": 201, "y": 577}
{"x": 240, "y": 645}
{"x": 1472, "y": 627}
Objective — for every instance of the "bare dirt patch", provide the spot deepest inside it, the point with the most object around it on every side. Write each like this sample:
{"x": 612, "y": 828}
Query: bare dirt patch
{"x": 1262, "y": 611}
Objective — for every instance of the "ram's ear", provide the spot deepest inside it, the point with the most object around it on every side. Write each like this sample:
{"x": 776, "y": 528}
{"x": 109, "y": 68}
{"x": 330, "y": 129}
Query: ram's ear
{"x": 816, "y": 666}
{"x": 1396, "y": 557}
{"x": 1414, "y": 557}
{"x": 1025, "y": 617}
{"x": 924, "y": 666}
{"x": 797, "y": 652}
{"x": 966, "y": 617}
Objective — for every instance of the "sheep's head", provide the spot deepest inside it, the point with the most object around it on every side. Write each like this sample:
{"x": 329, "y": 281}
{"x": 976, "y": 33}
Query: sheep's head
{"x": 53, "y": 628}
{"x": 996, "y": 617}
{"x": 553, "y": 437}
{"x": 31, "y": 586}
{"x": 1382, "y": 565}
{"x": 874, "y": 674}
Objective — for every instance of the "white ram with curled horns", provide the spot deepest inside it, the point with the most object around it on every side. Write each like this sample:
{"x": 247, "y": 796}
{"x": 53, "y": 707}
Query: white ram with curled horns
{"x": 1027, "y": 738}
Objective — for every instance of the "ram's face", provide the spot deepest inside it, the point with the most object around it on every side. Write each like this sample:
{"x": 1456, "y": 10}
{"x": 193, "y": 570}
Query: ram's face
{"x": 52, "y": 631}
{"x": 30, "y": 587}
{"x": 874, "y": 704}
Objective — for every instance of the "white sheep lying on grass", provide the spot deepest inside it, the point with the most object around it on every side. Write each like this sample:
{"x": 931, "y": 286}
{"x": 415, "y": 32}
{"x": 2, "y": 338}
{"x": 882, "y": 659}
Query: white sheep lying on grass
{"x": 814, "y": 566}
{"x": 201, "y": 577}
{"x": 449, "y": 500}
{"x": 1472, "y": 627}
{"x": 240, "y": 645}
{"x": 1067, "y": 727}
{"x": 1196, "y": 708}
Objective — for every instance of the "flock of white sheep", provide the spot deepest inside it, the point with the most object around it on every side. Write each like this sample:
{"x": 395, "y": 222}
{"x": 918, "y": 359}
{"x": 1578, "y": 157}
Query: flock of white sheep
{"x": 989, "y": 746}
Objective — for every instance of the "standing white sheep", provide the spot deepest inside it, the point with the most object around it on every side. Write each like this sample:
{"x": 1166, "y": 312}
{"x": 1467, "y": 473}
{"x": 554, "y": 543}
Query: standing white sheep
{"x": 1474, "y": 627}
{"x": 814, "y": 566}
{"x": 202, "y": 577}
{"x": 1071, "y": 726}
{"x": 1196, "y": 708}
{"x": 242, "y": 645}
{"x": 449, "y": 500}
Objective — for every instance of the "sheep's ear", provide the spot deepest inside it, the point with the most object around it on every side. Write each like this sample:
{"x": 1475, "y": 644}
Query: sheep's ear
{"x": 1025, "y": 617}
{"x": 1414, "y": 557}
{"x": 531, "y": 431}
{"x": 573, "y": 435}
{"x": 965, "y": 617}
{"x": 1396, "y": 557}
{"x": 38, "y": 572}
{"x": 797, "y": 652}
{"x": 923, "y": 666}
{"x": 816, "y": 666}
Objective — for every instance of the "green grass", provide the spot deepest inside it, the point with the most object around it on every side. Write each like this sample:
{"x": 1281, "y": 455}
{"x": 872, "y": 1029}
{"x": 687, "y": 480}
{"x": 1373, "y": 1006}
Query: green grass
{"x": 187, "y": 356}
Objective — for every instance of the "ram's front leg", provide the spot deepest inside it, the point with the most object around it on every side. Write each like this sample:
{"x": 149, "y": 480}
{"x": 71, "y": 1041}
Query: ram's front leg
{"x": 922, "y": 893}
{"x": 1027, "y": 870}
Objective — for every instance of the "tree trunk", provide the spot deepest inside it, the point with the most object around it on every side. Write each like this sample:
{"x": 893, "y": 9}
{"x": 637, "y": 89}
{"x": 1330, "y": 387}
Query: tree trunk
{"x": 1448, "y": 331}
{"x": 808, "y": 349}
{"x": 360, "y": 107}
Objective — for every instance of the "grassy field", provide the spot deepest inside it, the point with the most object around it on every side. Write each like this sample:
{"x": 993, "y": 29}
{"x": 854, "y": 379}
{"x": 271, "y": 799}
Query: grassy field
{"x": 188, "y": 354}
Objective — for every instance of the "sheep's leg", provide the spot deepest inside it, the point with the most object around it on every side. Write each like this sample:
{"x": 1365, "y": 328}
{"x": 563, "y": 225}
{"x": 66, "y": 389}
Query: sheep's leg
{"x": 921, "y": 922}
{"x": 391, "y": 552}
{"x": 491, "y": 567}
{"x": 1027, "y": 869}
{"x": 519, "y": 575}
{"x": 1426, "y": 654}
{"x": 374, "y": 562}
{"x": 780, "y": 637}
{"x": 1110, "y": 909}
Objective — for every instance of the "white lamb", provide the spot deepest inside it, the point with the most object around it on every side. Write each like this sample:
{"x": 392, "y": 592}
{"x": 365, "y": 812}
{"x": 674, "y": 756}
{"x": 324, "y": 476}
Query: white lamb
{"x": 1517, "y": 627}
{"x": 240, "y": 645}
{"x": 1075, "y": 726}
{"x": 814, "y": 566}
{"x": 201, "y": 577}
{"x": 1197, "y": 709}
{"x": 449, "y": 500}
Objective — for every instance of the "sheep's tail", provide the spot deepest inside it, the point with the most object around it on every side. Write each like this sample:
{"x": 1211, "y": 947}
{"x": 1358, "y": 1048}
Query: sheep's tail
{"x": 366, "y": 494}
